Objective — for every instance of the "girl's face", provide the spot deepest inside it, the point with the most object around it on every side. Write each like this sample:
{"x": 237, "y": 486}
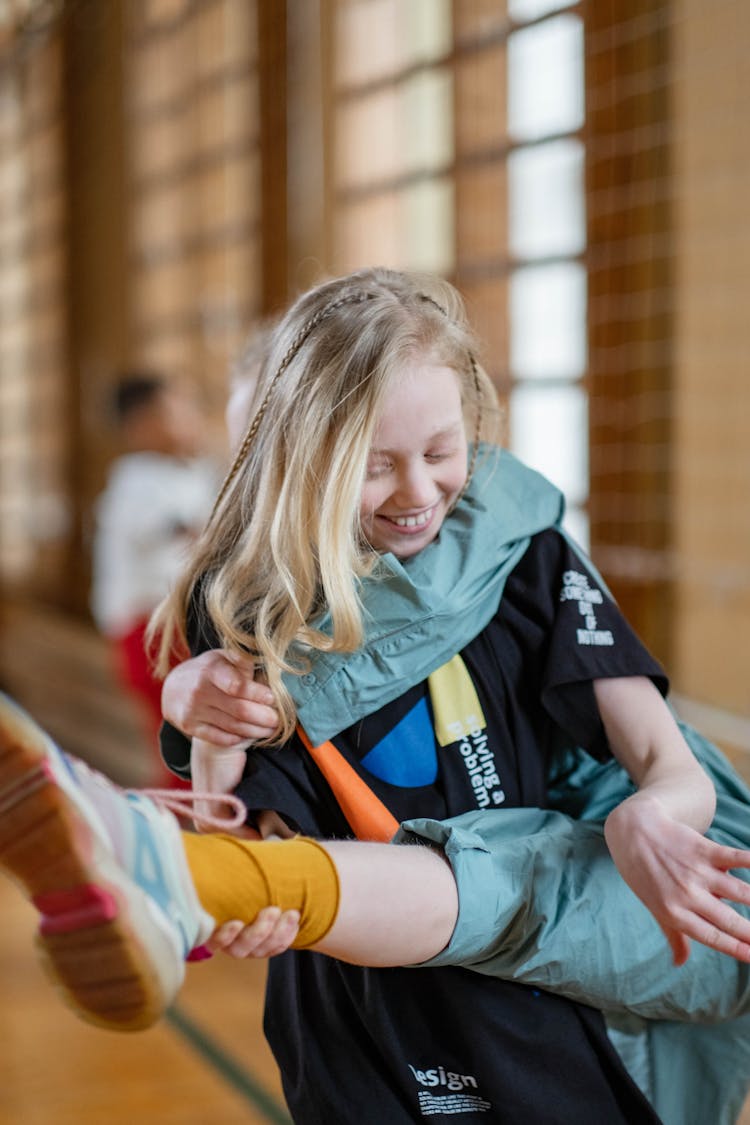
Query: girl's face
{"x": 418, "y": 461}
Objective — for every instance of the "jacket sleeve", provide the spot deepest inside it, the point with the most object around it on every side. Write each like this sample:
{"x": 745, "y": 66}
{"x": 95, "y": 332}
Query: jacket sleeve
{"x": 541, "y": 902}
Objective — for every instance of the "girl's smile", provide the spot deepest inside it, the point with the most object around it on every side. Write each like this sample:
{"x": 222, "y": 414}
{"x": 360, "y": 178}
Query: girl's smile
{"x": 417, "y": 464}
{"x": 418, "y": 521}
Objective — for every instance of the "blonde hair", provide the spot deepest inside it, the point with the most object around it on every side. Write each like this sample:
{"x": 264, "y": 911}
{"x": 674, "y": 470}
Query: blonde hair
{"x": 284, "y": 543}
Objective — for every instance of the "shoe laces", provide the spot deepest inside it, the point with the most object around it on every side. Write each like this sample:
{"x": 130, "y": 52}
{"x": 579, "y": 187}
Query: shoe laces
{"x": 182, "y": 803}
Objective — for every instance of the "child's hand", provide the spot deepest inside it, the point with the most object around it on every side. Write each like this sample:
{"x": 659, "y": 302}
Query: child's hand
{"x": 681, "y": 877}
{"x": 272, "y": 932}
{"x": 215, "y": 697}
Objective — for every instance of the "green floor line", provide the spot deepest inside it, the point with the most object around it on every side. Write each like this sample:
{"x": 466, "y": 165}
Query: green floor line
{"x": 234, "y": 1073}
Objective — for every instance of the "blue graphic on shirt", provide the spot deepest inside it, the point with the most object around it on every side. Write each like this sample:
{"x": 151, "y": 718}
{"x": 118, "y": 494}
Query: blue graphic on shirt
{"x": 407, "y": 756}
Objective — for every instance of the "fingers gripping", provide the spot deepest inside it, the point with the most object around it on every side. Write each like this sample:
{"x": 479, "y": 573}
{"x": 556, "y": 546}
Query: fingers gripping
{"x": 272, "y": 932}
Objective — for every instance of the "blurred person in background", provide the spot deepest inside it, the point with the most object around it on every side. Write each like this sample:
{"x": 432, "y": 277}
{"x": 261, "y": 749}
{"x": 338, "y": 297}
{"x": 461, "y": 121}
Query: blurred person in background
{"x": 157, "y": 498}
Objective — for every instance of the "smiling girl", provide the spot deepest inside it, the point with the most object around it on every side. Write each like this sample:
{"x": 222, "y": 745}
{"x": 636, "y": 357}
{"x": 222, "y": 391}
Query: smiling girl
{"x": 431, "y": 648}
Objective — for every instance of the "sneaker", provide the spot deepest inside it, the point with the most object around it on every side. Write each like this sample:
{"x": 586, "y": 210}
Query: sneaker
{"x": 107, "y": 872}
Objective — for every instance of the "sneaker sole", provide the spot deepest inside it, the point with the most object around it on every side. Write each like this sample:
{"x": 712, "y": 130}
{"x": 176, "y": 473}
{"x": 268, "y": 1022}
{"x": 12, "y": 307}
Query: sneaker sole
{"x": 98, "y": 937}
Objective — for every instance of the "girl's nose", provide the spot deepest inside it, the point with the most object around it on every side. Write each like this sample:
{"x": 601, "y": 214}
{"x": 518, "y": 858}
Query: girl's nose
{"x": 415, "y": 488}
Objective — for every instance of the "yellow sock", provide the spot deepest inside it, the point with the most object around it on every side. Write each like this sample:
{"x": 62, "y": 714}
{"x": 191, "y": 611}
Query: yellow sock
{"x": 236, "y": 878}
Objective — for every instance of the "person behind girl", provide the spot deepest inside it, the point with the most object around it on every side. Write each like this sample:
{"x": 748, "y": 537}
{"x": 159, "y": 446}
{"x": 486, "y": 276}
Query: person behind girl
{"x": 244, "y": 376}
{"x": 157, "y": 499}
{"x": 380, "y": 370}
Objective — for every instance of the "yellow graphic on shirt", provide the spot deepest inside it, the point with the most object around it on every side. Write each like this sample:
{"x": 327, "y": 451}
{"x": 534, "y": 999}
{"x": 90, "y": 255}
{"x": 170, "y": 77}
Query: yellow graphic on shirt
{"x": 460, "y": 723}
{"x": 455, "y": 703}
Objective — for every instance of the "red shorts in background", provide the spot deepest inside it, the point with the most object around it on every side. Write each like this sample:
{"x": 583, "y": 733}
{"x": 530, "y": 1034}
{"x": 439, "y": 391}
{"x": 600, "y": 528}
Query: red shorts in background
{"x": 136, "y": 675}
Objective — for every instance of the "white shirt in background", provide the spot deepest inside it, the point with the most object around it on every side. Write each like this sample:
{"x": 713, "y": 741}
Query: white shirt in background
{"x": 149, "y": 513}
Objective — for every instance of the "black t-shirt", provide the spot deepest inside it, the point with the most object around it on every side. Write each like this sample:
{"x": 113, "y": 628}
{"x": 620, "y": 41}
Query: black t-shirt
{"x": 397, "y": 1046}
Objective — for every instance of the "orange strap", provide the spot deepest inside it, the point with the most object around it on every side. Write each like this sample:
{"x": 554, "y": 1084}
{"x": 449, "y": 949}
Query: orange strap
{"x": 368, "y": 817}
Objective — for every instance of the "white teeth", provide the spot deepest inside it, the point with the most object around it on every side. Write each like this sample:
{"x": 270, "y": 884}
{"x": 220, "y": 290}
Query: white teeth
{"x": 412, "y": 521}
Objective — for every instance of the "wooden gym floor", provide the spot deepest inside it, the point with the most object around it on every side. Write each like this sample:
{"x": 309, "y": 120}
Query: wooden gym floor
{"x": 207, "y": 1061}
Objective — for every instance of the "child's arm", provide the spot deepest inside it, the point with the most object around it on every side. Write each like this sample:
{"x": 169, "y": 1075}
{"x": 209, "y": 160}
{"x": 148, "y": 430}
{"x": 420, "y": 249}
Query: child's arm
{"x": 216, "y": 699}
{"x": 656, "y": 836}
{"x": 214, "y": 770}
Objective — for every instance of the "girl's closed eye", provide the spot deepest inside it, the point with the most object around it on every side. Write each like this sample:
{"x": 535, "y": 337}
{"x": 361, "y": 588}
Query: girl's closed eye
{"x": 437, "y": 455}
{"x": 377, "y": 470}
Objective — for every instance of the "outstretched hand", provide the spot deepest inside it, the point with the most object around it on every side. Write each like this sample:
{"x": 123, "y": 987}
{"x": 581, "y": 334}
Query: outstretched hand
{"x": 682, "y": 877}
{"x": 216, "y": 698}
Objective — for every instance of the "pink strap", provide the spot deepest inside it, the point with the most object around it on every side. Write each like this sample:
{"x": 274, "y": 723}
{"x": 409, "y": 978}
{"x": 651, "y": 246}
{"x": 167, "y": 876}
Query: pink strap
{"x": 181, "y": 802}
